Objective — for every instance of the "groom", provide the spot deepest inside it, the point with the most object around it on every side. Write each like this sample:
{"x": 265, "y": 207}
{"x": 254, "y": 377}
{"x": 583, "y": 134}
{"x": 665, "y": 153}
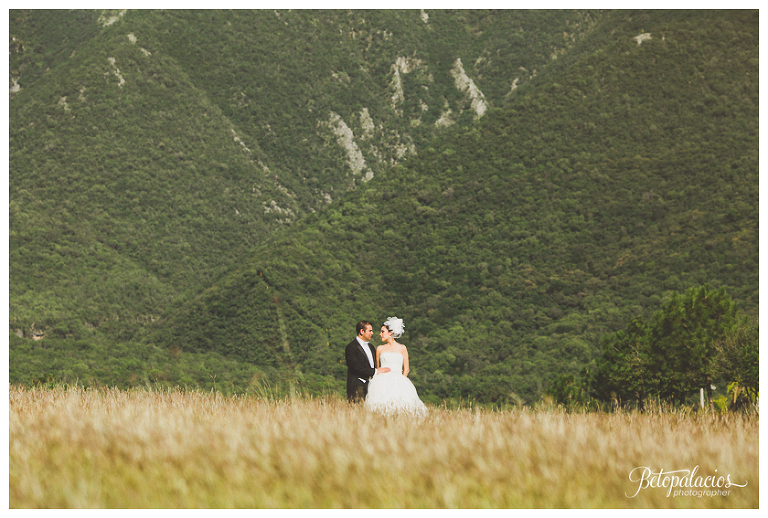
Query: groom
{"x": 360, "y": 365}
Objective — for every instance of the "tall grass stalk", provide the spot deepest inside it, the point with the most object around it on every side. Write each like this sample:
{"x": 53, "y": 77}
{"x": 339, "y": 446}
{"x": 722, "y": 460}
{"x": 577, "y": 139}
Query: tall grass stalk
{"x": 80, "y": 448}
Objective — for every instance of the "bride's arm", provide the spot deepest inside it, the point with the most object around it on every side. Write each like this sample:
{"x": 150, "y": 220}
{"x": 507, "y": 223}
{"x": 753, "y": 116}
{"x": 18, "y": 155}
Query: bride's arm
{"x": 379, "y": 369}
{"x": 406, "y": 365}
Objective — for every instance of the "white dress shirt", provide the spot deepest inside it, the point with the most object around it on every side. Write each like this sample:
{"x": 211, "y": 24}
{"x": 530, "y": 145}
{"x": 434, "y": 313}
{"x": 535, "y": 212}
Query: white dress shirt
{"x": 367, "y": 350}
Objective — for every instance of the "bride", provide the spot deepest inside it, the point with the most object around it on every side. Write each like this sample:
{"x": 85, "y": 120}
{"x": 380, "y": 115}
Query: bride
{"x": 393, "y": 392}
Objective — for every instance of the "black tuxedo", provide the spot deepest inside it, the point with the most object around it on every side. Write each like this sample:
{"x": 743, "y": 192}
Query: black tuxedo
{"x": 358, "y": 367}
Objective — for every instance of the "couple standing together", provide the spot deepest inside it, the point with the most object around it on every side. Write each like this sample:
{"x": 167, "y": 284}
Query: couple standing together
{"x": 380, "y": 377}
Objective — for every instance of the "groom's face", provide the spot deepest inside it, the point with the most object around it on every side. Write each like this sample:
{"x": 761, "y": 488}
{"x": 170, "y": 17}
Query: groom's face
{"x": 367, "y": 333}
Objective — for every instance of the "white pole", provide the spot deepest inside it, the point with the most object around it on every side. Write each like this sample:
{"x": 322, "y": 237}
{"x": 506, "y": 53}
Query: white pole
{"x": 702, "y": 397}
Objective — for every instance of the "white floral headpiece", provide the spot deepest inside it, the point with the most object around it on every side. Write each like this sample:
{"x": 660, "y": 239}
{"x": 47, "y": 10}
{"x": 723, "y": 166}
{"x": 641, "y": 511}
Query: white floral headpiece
{"x": 395, "y": 325}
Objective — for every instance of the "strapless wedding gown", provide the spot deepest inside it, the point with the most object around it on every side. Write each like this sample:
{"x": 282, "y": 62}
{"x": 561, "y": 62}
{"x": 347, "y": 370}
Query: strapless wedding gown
{"x": 392, "y": 392}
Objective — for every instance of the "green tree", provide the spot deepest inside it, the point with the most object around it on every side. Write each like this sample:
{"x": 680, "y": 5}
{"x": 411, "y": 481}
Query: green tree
{"x": 622, "y": 371}
{"x": 738, "y": 359}
{"x": 682, "y": 338}
{"x": 694, "y": 339}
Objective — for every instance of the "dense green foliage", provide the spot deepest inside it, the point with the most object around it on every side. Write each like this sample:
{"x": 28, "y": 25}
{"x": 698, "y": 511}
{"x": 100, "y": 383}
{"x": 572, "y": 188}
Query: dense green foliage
{"x": 678, "y": 351}
{"x": 617, "y": 173}
{"x": 150, "y": 150}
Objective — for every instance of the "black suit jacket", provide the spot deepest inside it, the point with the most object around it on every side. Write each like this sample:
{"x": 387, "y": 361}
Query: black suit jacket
{"x": 358, "y": 367}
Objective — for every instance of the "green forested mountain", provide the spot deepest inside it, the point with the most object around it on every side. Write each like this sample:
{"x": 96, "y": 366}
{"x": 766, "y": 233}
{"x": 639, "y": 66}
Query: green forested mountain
{"x": 150, "y": 150}
{"x": 207, "y": 195}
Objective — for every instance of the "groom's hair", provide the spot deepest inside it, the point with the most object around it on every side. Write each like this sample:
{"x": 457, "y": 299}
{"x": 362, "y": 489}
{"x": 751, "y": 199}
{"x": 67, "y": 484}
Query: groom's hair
{"x": 362, "y": 325}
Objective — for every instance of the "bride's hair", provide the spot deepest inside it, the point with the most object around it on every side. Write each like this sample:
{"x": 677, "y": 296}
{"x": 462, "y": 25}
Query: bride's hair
{"x": 395, "y": 326}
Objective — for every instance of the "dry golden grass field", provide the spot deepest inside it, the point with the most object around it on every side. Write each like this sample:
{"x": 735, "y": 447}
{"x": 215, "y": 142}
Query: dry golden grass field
{"x": 76, "y": 448}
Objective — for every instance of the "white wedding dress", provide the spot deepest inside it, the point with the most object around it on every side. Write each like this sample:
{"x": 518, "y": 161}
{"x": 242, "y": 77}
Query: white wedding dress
{"x": 391, "y": 392}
